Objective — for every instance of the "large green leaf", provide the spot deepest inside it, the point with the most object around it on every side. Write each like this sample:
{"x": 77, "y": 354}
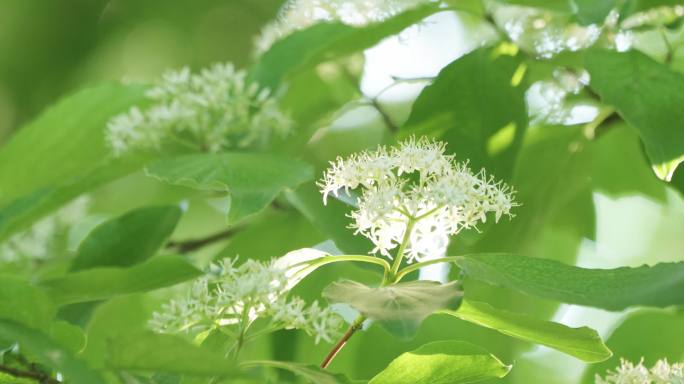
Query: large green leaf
{"x": 311, "y": 374}
{"x": 443, "y": 362}
{"x": 583, "y": 343}
{"x": 327, "y": 41}
{"x": 62, "y": 154}
{"x": 399, "y": 308}
{"x": 252, "y": 179}
{"x": 647, "y": 94}
{"x": 24, "y": 303}
{"x": 49, "y": 352}
{"x": 477, "y": 105}
{"x": 104, "y": 283}
{"x": 127, "y": 240}
{"x": 660, "y": 285}
{"x": 150, "y": 352}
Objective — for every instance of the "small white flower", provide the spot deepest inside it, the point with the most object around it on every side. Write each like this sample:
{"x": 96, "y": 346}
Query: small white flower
{"x": 628, "y": 373}
{"x": 415, "y": 184}
{"x": 213, "y": 110}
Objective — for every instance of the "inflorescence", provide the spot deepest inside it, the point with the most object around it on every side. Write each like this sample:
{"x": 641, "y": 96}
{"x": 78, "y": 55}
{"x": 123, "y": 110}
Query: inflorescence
{"x": 628, "y": 373}
{"x": 415, "y": 187}
{"x": 238, "y": 295}
{"x": 210, "y": 111}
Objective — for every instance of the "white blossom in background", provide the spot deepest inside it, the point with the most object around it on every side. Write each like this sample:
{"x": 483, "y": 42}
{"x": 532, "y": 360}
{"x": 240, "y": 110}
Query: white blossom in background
{"x": 215, "y": 109}
{"x": 628, "y": 373}
{"x": 415, "y": 183}
{"x": 237, "y": 295}
{"x": 46, "y": 237}
{"x": 300, "y": 14}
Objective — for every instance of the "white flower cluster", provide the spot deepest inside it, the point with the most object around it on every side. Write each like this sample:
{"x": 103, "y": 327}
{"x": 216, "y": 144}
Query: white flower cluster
{"x": 238, "y": 295}
{"x": 628, "y": 373}
{"x": 45, "y": 237}
{"x": 415, "y": 185}
{"x": 213, "y": 110}
{"x": 300, "y": 14}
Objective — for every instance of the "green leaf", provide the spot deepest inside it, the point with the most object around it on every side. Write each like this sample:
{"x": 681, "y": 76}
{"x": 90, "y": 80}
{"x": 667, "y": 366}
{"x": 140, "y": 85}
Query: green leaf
{"x": 327, "y": 41}
{"x": 443, "y": 362}
{"x": 647, "y": 94}
{"x": 309, "y": 373}
{"x": 477, "y": 105}
{"x": 24, "y": 303}
{"x": 104, "y": 283}
{"x": 127, "y": 240}
{"x": 252, "y": 179}
{"x": 68, "y": 335}
{"x": 399, "y": 308}
{"x": 331, "y": 219}
{"x": 562, "y": 6}
{"x": 661, "y": 285}
{"x": 50, "y": 353}
{"x": 151, "y": 352}
{"x": 62, "y": 154}
{"x": 593, "y": 11}
{"x": 583, "y": 343}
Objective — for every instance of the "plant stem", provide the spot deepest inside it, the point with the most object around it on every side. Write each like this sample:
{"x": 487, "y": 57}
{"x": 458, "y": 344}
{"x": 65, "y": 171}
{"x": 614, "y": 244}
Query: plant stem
{"x": 355, "y": 326}
{"x": 38, "y": 376}
{"x": 402, "y": 249}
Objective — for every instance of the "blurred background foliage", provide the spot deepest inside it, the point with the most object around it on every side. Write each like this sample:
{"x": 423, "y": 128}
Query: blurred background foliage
{"x": 589, "y": 195}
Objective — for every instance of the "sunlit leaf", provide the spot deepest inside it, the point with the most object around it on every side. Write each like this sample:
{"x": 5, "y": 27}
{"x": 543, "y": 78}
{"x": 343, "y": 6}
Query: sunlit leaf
{"x": 24, "y": 303}
{"x": 647, "y": 94}
{"x": 443, "y": 362}
{"x": 583, "y": 343}
{"x": 477, "y": 105}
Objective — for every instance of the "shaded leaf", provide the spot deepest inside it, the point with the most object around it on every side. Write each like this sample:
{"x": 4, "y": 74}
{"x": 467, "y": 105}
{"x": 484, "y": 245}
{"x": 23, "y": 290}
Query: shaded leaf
{"x": 660, "y": 285}
{"x": 647, "y": 94}
{"x": 583, "y": 343}
{"x": 127, "y": 240}
{"x": 252, "y": 179}
{"x": 151, "y": 352}
{"x": 443, "y": 362}
{"x": 104, "y": 283}
{"x": 69, "y": 335}
{"x": 399, "y": 308}
{"x": 477, "y": 105}
{"x": 50, "y": 353}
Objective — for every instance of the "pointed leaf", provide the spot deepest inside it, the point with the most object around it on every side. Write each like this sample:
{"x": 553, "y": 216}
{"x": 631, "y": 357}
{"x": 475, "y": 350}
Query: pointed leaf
{"x": 583, "y": 343}
{"x": 660, "y": 285}
{"x": 127, "y": 240}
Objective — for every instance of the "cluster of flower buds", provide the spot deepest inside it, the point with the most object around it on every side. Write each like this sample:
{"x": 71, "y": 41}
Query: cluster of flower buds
{"x": 628, "y": 373}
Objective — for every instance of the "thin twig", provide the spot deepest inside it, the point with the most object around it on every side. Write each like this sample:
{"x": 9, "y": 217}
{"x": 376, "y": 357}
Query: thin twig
{"x": 38, "y": 376}
{"x": 355, "y": 326}
{"x": 187, "y": 246}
